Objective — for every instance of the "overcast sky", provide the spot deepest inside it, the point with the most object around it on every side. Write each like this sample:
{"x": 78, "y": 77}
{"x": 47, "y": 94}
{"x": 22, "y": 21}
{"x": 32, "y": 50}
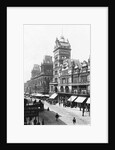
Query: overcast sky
{"x": 39, "y": 40}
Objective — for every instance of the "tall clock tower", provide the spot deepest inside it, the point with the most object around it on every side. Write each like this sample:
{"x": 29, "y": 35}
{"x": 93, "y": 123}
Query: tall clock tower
{"x": 62, "y": 51}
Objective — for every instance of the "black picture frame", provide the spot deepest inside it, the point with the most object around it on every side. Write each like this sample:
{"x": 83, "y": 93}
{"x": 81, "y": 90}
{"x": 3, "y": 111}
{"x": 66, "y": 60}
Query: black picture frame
{"x": 3, "y": 24}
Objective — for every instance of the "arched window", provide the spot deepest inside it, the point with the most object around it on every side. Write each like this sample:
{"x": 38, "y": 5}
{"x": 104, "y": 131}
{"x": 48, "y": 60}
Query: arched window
{"x": 56, "y": 72}
{"x": 61, "y": 89}
{"x": 51, "y": 88}
{"x": 56, "y": 80}
{"x": 56, "y": 90}
{"x": 67, "y": 89}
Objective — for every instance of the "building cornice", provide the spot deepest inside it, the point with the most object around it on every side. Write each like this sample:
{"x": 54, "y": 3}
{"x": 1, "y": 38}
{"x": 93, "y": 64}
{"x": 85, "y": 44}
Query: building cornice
{"x": 63, "y": 48}
{"x": 73, "y": 84}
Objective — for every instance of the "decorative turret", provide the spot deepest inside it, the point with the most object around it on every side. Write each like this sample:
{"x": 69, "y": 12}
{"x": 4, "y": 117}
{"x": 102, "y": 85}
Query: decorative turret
{"x": 62, "y": 43}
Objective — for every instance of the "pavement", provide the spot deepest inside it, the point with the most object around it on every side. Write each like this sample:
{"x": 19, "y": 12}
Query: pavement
{"x": 67, "y": 114}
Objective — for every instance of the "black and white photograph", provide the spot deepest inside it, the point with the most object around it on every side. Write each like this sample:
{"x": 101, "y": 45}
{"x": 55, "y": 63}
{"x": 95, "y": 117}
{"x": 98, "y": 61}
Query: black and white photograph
{"x": 57, "y": 74}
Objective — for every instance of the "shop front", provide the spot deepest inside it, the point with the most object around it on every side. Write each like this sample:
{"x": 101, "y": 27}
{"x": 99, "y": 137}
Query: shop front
{"x": 80, "y": 101}
{"x": 53, "y": 99}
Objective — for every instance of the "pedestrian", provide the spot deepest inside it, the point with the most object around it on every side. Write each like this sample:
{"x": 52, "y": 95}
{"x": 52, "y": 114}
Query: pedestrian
{"x": 35, "y": 101}
{"x": 30, "y": 120}
{"x": 74, "y": 120}
{"x": 25, "y": 121}
{"x": 38, "y": 123}
{"x": 48, "y": 109}
{"x": 83, "y": 111}
{"x": 56, "y": 116}
{"x": 35, "y": 121}
{"x": 42, "y": 121}
{"x": 88, "y": 107}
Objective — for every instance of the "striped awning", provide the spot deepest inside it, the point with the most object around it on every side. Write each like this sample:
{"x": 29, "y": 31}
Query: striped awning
{"x": 46, "y": 95}
{"x": 88, "y": 101}
{"x": 33, "y": 94}
{"x": 53, "y": 96}
{"x": 80, "y": 99}
{"x": 39, "y": 94}
{"x": 72, "y": 98}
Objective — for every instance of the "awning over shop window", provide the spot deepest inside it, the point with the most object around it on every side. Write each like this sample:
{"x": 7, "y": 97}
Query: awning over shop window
{"x": 26, "y": 93}
{"x": 72, "y": 98}
{"x": 38, "y": 94}
{"x": 28, "y": 98}
{"x": 46, "y": 95}
{"x": 80, "y": 99}
{"x": 88, "y": 101}
{"x": 37, "y": 100}
{"x": 33, "y": 94}
{"x": 53, "y": 96}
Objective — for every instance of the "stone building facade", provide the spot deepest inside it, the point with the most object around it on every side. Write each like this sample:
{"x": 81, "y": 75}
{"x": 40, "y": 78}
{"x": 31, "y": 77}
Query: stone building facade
{"x": 75, "y": 78}
{"x": 70, "y": 76}
{"x": 41, "y": 76}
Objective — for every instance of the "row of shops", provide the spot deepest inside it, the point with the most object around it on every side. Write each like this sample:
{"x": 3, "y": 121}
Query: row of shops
{"x": 79, "y": 102}
{"x": 68, "y": 100}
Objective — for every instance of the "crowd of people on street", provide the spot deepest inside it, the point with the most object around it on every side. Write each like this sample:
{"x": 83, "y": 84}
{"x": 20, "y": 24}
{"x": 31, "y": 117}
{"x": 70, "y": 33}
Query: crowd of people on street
{"x": 32, "y": 121}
